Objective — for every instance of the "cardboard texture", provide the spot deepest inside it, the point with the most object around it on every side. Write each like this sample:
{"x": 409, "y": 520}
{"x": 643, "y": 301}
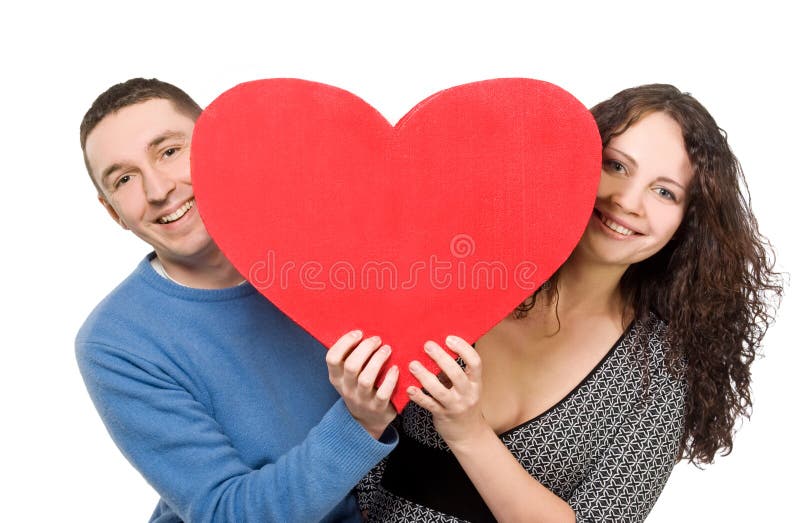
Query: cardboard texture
{"x": 441, "y": 224}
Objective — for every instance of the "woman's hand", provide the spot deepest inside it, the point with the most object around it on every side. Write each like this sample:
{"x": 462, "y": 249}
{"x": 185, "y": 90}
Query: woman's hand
{"x": 353, "y": 368}
{"x": 456, "y": 409}
{"x": 511, "y": 493}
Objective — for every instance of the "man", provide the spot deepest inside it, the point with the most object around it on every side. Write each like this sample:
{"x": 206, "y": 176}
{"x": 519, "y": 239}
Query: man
{"x": 214, "y": 395}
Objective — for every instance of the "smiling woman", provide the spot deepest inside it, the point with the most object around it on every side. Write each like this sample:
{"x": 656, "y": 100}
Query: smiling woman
{"x": 636, "y": 354}
{"x": 641, "y": 199}
{"x": 714, "y": 283}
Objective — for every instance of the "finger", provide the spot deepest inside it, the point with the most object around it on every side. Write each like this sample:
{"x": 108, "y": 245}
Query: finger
{"x": 340, "y": 349}
{"x": 429, "y": 381}
{"x": 451, "y": 369}
{"x": 367, "y": 377}
{"x": 355, "y": 361}
{"x": 384, "y": 392}
{"x": 468, "y": 354}
{"x": 423, "y": 400}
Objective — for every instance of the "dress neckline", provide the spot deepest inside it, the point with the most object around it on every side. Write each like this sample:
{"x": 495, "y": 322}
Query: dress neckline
{"x": 577, "y": 387}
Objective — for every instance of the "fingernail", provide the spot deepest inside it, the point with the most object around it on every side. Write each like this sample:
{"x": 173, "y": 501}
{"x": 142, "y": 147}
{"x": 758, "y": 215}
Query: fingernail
{"x": 428, "y": 347}
{"x": 356, "y": 334}
{"x": 394, "y": 370}
{"x": 411, "y": 391}
{"x": 386, "y": 349}
{"x": 450, "y": 341}
{"x": 415, "y": 366}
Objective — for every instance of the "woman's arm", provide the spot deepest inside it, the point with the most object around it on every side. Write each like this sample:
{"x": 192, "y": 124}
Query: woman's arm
{"x": 623, "y": 482}
{"x": 510, "y": 492}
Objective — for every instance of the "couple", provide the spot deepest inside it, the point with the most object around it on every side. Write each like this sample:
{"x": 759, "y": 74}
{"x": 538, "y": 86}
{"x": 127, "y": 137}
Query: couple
{"x": 573, "y": 408}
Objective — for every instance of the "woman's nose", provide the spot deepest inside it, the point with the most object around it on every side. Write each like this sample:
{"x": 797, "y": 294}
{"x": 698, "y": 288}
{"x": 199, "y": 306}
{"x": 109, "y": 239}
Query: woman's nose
{"x": 628, "y": 198}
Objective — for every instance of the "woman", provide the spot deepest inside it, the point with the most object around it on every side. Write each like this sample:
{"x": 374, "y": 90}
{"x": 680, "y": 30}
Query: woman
{"x": 635, "y": 354}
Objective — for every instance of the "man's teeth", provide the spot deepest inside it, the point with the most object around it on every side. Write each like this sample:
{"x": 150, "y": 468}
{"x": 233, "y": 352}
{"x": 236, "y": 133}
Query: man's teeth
{"x": 614, "y": 226}
{"x": 177, "y": 214}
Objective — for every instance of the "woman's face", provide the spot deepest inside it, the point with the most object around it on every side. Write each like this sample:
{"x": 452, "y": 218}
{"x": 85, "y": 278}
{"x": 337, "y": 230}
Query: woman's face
{"x": 642, "y": 195}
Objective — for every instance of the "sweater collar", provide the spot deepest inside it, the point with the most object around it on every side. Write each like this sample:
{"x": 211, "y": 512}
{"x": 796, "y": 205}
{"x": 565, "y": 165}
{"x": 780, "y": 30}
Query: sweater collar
{"x": 146, "y": 271}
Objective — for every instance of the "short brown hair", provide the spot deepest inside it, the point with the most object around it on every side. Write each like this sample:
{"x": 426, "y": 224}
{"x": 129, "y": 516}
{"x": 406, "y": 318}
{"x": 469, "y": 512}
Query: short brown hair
{"x": 132, "y": 92}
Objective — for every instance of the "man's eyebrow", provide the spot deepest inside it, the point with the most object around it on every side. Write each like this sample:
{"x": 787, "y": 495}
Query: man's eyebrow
{"x": 108, "y": 171}
{"x": 166, "y": 135}
{"x": 155, "y": 142}
{"x": 626, "y": 155}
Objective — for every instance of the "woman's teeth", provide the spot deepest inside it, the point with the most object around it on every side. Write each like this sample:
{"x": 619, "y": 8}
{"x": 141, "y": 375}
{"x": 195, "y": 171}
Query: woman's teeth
{"x": 614, "y": 226}
{"x": 177, "y": 214}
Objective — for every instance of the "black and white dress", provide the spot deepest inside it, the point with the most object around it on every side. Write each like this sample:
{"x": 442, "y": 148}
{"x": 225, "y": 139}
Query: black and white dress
{"x": 607, "y": 448}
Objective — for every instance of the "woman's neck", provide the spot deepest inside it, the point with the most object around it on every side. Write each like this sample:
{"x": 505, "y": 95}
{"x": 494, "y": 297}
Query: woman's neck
{"x": 588, "y": 288}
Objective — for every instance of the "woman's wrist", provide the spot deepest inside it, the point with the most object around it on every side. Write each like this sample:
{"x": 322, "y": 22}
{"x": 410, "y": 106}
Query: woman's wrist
{"x": 473, "y": 440}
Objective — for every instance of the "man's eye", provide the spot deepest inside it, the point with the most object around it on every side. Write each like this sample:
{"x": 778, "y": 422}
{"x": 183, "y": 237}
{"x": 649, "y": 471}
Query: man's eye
{"x": 122, "y": 180}
{"x": 170, "y": 152}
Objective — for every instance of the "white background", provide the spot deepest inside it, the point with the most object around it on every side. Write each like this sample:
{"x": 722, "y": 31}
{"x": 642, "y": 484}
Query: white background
{"x": 61, "y": 253}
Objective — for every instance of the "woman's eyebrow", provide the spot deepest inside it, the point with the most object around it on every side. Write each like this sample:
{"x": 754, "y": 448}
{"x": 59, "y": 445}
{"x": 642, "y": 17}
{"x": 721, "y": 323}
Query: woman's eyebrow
{"x": 627, "y": 156}
{"x": 631, "y": 160}
{"x": 670, "y": 180}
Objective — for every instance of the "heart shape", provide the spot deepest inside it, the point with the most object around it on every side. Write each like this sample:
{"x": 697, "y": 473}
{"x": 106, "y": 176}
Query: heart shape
{"x": 441, "y": 224}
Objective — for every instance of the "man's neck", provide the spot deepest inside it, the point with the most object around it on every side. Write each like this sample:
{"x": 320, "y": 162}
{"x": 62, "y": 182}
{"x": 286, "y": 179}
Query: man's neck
{"x": 210, "y": 271}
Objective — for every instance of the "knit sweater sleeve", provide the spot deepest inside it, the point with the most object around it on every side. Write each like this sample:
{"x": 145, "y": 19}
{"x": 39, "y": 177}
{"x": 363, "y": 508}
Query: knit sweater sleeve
{"x": 171, "y": 438}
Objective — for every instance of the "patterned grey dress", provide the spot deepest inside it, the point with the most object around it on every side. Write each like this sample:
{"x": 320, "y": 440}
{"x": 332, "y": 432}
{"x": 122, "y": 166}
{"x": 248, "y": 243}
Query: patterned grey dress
{"x": 607, "y": 448}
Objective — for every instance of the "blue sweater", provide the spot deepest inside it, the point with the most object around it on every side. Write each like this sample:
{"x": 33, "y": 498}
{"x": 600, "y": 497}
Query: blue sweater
{"x": 223, "y": 404}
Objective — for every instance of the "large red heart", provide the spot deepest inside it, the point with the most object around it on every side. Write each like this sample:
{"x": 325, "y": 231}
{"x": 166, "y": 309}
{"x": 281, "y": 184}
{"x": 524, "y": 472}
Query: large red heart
{"x": 438, "y": 225}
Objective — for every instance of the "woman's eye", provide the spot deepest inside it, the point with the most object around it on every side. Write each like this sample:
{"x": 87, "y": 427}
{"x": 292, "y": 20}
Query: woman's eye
{"x": 614, "y": 166}
{"x": 666, "y": 193}
{"x": 169, "y": 152}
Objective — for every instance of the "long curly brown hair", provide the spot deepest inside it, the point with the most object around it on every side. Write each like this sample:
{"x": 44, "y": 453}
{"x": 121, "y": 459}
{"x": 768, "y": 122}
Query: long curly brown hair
{"x": 714, "y": 283}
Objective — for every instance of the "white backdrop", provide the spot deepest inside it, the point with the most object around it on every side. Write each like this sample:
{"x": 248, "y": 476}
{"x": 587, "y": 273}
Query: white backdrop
{"x": 62, "y": 254}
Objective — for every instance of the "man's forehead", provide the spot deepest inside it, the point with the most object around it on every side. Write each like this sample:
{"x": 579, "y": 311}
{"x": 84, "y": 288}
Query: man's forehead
{"x": 130, "y": 130}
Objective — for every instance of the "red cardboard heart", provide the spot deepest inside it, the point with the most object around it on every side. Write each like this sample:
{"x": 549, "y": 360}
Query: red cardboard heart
{"x": 441, "y": 224}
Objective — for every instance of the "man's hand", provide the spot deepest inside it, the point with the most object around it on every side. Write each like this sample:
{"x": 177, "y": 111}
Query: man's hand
{"x": 353, "y": 367}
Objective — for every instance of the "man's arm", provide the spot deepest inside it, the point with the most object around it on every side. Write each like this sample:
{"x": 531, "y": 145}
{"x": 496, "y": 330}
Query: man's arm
{"x": 178, "y": 446}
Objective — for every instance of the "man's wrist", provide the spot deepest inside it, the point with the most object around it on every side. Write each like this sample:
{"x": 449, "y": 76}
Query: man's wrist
{"x": 376, "y": 430}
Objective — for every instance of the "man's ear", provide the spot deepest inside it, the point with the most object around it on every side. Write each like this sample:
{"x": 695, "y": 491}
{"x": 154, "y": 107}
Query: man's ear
{"x": 111, "y": 212}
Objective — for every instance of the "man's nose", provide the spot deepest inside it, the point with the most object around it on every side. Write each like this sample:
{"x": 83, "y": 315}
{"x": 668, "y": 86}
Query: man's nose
{"x": 157, "y": 185}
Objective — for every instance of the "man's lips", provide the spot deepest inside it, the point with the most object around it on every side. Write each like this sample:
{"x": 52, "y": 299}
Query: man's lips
{"x": 177, "y": 214}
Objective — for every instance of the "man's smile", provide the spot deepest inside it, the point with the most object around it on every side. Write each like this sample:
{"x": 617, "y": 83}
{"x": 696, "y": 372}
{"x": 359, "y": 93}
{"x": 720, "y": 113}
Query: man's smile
{"x": 178, "y": 214}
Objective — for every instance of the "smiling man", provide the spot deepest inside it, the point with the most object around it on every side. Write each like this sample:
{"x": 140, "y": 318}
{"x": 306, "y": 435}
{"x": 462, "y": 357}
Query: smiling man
{"x": 219, "y": 400}
{"x": 140, "y": 155}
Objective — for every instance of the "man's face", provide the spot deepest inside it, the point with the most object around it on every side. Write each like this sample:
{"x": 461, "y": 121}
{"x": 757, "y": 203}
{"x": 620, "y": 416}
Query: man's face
{"x": 139, "y": 157}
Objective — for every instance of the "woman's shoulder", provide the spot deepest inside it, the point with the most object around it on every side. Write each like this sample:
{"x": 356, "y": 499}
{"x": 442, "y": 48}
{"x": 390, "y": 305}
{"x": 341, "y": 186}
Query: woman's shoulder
{"x": 648, "y": 340}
